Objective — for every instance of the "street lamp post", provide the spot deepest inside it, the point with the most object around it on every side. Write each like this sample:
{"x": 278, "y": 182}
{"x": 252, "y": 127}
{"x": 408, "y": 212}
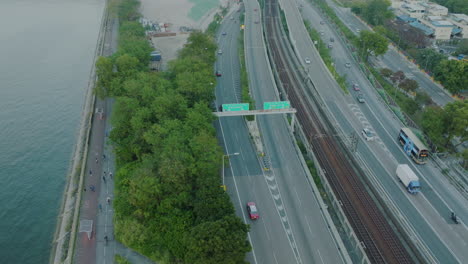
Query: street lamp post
{"x": 227, "y": 155}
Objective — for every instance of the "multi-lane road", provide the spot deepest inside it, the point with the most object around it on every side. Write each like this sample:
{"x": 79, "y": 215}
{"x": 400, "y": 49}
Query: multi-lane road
{"x": 393, "y": 59}
{"x": 428, "y": 213}
{"x": 292, "y": 227}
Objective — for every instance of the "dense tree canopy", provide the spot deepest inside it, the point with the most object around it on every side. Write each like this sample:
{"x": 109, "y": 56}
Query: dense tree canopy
{"x": 453, "y": 75}
{"x": 455, "y": 6}
{"x": 443, "y": 124}
{"x": 375, "y": 12}
{"x": 370, "y": 42}
{"x": 168, "y": 205}
{"x": 429, "y": 59}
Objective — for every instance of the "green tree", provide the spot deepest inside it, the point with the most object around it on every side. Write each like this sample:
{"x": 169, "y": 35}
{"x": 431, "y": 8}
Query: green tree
{"x": 409, "y": 85}
{"x": 126, "y": 66}
{"x": 455, "y": 6}
{"x": 456, "y": 120}
{"x": 429, "y": 59}
{"x": 464, "y": 155}
{"x": 221, "y": 241}
{"x": 462, "y": 47}
{"x": 398, "y": 77}
{"x": 128, "y": 10}
{"x": 433, "y": 124}
{"x": 375, "y": 12}
{"x": 104, "y": 67}
{"x": 370, "y": 42}
{"x": 422, "y": 98}
{"x": 386, "y": 72}
{"x": 453, "y": 75}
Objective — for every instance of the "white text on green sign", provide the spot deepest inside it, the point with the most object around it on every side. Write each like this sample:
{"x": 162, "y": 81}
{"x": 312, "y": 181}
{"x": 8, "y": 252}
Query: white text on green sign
{"x": 276, "y": 105}
{"x": 235, "y": 107}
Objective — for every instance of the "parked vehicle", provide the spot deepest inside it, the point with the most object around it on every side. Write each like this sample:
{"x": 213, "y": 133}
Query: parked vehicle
{"x": 409, "y": 179}
{"x": 218, "y": 73}
{"x": 220, "y": 52}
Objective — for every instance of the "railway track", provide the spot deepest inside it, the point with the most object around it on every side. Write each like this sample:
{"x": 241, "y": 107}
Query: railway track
{"x": 378, "y": 238}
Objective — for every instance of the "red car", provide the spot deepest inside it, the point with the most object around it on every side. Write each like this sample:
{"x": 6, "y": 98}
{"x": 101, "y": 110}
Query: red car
{"x": 252, "y": 210}
{"x": 218, "y": 73}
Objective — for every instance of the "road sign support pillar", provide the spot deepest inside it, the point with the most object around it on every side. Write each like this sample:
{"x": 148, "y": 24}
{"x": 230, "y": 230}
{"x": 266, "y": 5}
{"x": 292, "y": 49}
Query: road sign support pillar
{"x": 293, "y": 119}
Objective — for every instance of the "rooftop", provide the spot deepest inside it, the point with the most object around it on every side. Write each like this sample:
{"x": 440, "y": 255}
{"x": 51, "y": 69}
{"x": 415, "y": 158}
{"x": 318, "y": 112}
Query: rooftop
{"x": 459, "y": 17}
{"x": 442, "y": 23}
{"x": 414, "y": 7}
{"x": 433, "y": 6}
{"x": 406, "y": 18}
{"x": 427, "y": 30}
{"x": 434, "y": 18}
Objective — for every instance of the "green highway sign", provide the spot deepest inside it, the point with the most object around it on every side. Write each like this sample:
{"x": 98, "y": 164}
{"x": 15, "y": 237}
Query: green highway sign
{"x": 276, "y": 105}
{"x": 235, "y": 107}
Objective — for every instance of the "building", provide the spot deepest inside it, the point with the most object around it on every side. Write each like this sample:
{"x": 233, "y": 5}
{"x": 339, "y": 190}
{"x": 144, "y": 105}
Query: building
{"x": 460, "y": 22}
{"x": 441, "y": 27}
{"x": 413, "y": 10}
{"x": 434, "y": 9}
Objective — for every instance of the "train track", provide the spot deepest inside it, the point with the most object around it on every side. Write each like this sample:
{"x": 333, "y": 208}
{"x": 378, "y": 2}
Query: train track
{"x": 378, "y": 238}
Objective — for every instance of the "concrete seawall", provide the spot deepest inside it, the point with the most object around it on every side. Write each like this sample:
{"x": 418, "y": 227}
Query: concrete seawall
{"x": 62, "y": 246}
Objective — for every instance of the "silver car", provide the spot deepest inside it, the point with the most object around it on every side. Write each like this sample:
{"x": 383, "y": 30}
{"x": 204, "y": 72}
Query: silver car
{"x": 367, "y": 134}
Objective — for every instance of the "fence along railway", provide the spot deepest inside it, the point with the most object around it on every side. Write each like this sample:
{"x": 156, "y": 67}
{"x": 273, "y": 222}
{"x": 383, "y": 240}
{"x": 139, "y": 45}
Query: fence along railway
{"x": 379, "y": 239}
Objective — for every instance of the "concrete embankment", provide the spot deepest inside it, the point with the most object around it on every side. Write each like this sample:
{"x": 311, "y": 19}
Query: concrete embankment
{"x": 67, "y": 222}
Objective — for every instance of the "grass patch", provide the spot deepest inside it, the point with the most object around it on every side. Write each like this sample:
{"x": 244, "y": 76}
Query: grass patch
{"x": 214, "y": 25}
{"x": 121, "y": 260}
{"x": 284, "y": 23}
{"x": 245, "y": 91}
{"x": 323, "y": 6}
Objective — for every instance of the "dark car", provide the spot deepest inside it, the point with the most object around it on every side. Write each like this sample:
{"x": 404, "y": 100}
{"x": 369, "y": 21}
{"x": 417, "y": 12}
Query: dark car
{"x": 332, "y": 40}
{"x": 218, "y": 73}
{"x": 252, "y": 210}
{"x": 224, "y": 33}
{"x": 360, "y": 98}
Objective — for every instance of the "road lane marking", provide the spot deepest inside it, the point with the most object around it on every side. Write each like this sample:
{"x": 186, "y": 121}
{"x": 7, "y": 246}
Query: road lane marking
{"x": 237, "y": 192}
{"x": 299, "y": 199}
{"x": 308, "y": 225}
{"x": 320, "y": 255}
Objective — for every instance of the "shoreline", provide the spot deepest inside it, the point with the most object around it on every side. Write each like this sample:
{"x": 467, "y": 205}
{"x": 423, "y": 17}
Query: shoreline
{"x": 66, "y": 227}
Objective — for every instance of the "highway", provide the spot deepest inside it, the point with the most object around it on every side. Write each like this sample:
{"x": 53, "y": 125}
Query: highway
{"x": 291, "y": 228}
{"x": 393, "y": 59}
{"x": 383, "y": 155}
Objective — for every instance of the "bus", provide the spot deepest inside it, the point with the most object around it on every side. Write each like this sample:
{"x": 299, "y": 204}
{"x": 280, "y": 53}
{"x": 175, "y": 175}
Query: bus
{"x": 413, "y": 146}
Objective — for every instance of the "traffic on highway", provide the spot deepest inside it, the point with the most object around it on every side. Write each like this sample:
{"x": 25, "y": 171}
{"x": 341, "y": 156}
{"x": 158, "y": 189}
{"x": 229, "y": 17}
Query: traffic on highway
{"x": 387, "y": 158}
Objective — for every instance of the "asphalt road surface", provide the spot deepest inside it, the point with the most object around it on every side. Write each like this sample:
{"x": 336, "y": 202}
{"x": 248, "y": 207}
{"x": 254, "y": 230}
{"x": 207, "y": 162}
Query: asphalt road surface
{"x": 353, "y": 116}
{"x": 394, "y": 60}
{"x": 291, "y": 228}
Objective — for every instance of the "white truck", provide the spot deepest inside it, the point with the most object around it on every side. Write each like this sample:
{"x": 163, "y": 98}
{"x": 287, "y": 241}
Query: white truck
{"x": 409, "y": 179}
